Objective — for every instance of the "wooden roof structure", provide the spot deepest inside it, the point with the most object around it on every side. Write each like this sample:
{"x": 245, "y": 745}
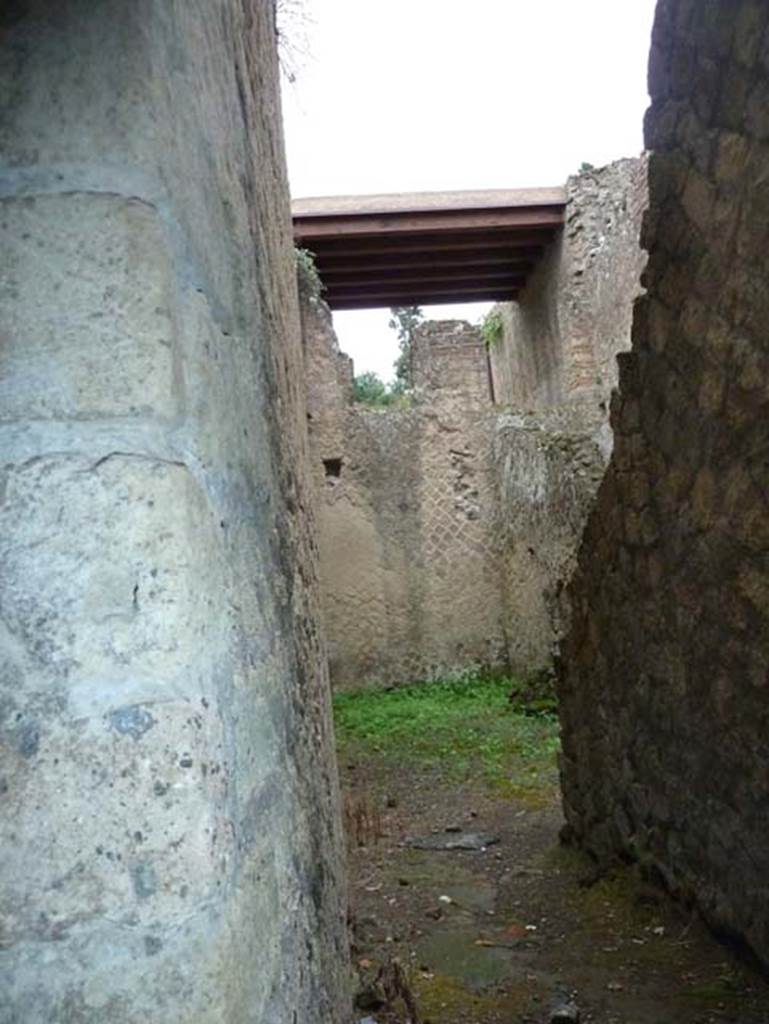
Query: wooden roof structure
{"x": 426, "y": 248}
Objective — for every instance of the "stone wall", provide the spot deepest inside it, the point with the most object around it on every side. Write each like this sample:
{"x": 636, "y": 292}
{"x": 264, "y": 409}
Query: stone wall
{"x": 547, "y": 468}
{"x": 665, "y": 671}
{"x": 555, "y": 366}
{"x": 407, "y": 512}
{"x": 448, "y": 529}
{"x": 450, "y": 365}
{"x": 560, "y": 338}
{"x": 169, "y": 826}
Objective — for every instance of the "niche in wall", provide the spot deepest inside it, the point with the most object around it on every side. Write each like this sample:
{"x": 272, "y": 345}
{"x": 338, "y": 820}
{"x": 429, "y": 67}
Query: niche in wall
{"x": 332, "y": 469}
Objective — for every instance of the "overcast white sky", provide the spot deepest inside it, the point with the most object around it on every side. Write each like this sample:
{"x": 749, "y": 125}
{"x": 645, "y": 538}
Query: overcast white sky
{"x": 410, "y": 95}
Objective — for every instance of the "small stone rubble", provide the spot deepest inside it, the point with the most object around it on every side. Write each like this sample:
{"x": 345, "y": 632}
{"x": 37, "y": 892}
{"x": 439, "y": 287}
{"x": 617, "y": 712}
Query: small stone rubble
{"x": 454, "y": 841}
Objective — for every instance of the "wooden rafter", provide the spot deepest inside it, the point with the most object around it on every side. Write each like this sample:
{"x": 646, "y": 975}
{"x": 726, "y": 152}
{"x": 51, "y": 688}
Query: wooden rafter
{"x": 428, "y": 247}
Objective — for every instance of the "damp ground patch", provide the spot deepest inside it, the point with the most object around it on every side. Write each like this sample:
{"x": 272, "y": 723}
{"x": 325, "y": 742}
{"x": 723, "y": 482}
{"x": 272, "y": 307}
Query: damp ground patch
{"x": 506, "y": 932}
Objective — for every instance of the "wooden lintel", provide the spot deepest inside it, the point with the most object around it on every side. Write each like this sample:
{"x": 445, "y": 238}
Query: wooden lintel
{"x": 339, "y": 266}
{"x": 435, "y": 300}
{"x": 429, "y": 277}
{"x": 469, "y": 285}
{"x": 308, "y": 229}
{"x": 476, "y": 241}
{"x": 422, "y": 202}
{"x": 420, "y": 294}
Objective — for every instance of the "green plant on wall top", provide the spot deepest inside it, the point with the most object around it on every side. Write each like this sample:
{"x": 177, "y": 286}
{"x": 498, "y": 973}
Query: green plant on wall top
{"x": 307, "y": 272}
{"x": 492, "y": 327}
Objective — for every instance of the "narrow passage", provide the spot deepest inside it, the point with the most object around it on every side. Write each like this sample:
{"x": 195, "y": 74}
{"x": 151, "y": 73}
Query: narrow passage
{"x": 467, "y": 907}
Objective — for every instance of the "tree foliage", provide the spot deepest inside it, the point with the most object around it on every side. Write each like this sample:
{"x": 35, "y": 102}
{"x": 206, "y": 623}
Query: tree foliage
{"x": 293, "y": 25}
{"x": 370, "y": 389}
{"x": 404, "y": 320}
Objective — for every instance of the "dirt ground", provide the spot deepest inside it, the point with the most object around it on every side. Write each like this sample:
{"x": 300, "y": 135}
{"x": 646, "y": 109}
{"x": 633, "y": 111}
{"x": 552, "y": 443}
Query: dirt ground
{"x": 510, "y": 932}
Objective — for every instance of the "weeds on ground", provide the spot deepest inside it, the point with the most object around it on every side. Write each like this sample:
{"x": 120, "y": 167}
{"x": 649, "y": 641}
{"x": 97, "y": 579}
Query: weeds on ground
{"x": 464, "y": 727}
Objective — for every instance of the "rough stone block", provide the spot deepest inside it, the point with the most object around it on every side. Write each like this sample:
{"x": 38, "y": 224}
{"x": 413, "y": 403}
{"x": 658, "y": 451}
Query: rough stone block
{"x": 698, "y": 200}
{"x": 732, "y": 158}
{"x": 115, "y": 609}
{"x": 88, "y": 293}
{"x": 681, "y": 664}
{"x": 756, "y": 112}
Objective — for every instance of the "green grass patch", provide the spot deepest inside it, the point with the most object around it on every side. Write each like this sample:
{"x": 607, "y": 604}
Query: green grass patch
{"x": 466, "y": 727}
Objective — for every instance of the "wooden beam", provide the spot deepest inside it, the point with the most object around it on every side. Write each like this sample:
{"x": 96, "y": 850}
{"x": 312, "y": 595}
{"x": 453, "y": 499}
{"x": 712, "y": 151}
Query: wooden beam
{"x": 476, "y": 241}
{"x": 429, "y": 286}
{"x": 419, "y": 202}
{"x": 339, "y": 264}
{"x": 427, "y": 277}
{"x": 306, "y": 229}
{"x": 420, "y": 294}
{"x": 422, "y": 300}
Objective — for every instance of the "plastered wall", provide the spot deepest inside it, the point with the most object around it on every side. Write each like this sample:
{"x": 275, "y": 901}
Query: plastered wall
{"x": 169, "y": 827}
